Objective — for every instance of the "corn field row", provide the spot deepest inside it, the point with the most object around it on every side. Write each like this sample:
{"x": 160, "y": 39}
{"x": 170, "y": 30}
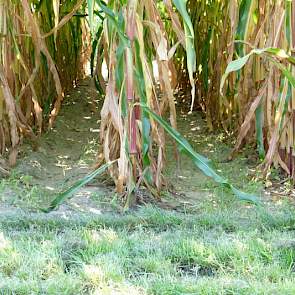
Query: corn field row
{"x": 235, "y": 56}
{"x": 38, "y": 63}
{"x": 258, "y": 100}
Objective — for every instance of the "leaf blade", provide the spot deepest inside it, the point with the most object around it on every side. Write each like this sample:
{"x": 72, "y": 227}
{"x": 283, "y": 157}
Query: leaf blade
{"x": 61, "y": 197}
{"x": 200, "y": 161}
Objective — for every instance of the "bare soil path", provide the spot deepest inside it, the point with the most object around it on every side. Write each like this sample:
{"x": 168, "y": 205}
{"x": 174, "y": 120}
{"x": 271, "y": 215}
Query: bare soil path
{"x": 64, "y": 155}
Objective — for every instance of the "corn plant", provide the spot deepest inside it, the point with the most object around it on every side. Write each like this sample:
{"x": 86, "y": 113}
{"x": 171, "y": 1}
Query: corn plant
{"x": 132, "y": 127}
{"x": 265, "y": 87}
{"x": 41, "y": 53}
{"x": 127, "y": 133}
{"x": 256, "y": 101}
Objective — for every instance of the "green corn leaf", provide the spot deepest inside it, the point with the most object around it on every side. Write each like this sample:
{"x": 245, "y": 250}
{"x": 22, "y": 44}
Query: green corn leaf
{"x": 239, "y": 63}
{"x": 234, "y": 66}
{"x": 189, "y": 41}
{"x": 94, "y": 48}
{"x": 114, "y": 19}
{"x": 189, "y": 35}
{"x": 200, "y": 161}
{"x": 146, "y": 127}
{"x": 181, "y": 7}
{"x": 91, "y": 13}
{"x": 60, "y": 198}
{"x": 286, "y": 72}
{"x": 246, "y": 6}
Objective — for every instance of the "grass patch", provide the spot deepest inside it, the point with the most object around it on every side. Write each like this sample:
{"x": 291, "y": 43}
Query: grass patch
{"x": 150, "y": 251}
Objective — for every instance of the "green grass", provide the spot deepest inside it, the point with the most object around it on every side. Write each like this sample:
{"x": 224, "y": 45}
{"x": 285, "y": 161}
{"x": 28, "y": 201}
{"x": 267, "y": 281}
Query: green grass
{"x": 19, "y": 190}
{"x": 149, "y": 251}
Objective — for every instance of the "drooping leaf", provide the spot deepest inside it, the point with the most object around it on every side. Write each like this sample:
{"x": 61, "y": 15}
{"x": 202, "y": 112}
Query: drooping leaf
{"x": 239, "y": 63}
{"x": 60, "y": 198}
{"x": 189, "y": 41}
{"x": 234, "y": 66}
{"x": 200, "y": 161}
